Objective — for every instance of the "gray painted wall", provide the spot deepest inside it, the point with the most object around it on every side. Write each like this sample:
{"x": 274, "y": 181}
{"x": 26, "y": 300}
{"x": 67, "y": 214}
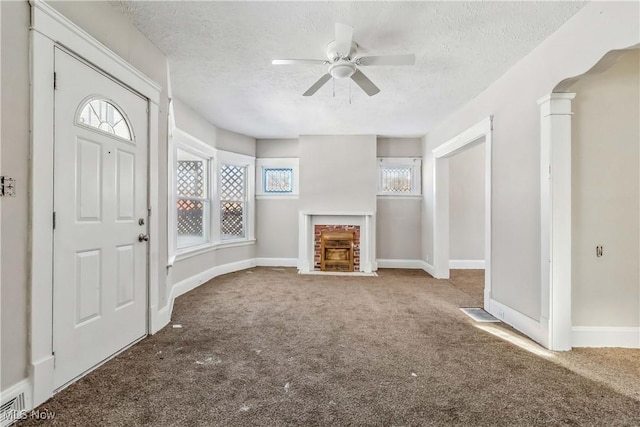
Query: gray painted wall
{"x": 277, "y": 218}
{"x": 399, "y": 219}
{"x": 277, "y": 228}
{"x": 399, "y": 147}
{"x": 15, "y": 210}
{"x": 338, "y": 173}
{"x": 277, "y": 148}
{"x": 398, "y": 228}
{"x": 466, "y": 204}
{"x": 512, "y": 99}
{"x": 606, "y": 196}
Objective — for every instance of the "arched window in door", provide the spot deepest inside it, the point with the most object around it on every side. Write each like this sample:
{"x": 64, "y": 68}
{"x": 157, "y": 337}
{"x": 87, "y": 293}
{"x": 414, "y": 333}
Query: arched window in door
{"x": 105, "y": 117}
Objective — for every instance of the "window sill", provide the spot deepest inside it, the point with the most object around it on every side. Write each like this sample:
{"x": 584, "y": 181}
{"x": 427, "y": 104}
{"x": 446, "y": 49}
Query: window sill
{"x": 400, "y": 196}
{"x": 210, "y": 247}
{"x": 274, "y": 196}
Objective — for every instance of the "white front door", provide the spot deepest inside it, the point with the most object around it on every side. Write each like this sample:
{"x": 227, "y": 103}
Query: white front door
{"x": 100, "y": 204}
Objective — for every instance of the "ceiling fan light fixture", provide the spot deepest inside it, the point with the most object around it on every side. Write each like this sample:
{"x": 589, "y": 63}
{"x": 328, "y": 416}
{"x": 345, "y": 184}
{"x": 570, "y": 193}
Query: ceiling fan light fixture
{"x": 342, "y": 69}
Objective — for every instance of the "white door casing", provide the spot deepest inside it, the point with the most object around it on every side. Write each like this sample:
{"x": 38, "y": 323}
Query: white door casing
{"x": 480, "y": 133}
{"x": 100, "y": 195}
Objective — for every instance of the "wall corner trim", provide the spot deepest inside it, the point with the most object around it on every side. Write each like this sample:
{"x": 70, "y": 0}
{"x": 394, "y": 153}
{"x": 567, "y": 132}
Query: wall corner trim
{"x": 536, "y": 330}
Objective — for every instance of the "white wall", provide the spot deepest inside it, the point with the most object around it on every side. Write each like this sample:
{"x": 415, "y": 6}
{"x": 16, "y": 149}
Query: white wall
{"x": 338, "y": 173}
{"x": 606, "y": 196}
{"x": 399, "y": 219}
{"x": 595, "y": 30}
{"x": 466, "y": 204}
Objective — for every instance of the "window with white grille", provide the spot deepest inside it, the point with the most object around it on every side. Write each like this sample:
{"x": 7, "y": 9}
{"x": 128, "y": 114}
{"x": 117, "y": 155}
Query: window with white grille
{"x": 399, "y": 176}
{"x": 192, "y": 198}
{"x": 213, "y": 201}
{"x": 233, "y": 197}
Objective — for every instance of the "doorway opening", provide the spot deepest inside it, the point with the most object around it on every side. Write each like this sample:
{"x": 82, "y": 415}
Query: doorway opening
{"x": 479, "y": 135}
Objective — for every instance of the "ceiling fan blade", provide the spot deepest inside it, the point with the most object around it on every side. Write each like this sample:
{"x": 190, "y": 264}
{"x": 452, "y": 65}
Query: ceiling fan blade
{"x": 408, "y": 59}
{"x": 298, "y": 61}
{"x": 344, "y": 37}
{"x": 317, "y": 85}
{"x": 364, "y": 83}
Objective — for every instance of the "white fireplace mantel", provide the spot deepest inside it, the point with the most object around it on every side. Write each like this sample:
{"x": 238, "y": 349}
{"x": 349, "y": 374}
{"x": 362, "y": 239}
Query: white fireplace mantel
{"x": 364, "y": 219}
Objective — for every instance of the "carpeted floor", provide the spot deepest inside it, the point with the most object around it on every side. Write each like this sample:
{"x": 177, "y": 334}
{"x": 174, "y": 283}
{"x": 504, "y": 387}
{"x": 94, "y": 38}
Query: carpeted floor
{"x": 268, "y": 347}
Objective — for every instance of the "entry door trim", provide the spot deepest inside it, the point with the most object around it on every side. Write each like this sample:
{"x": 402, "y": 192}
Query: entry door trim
{"x": 48, "y": 30}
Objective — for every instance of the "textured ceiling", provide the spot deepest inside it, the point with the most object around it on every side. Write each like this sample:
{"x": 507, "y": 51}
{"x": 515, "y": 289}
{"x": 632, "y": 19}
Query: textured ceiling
{"x": 220, "y": 58}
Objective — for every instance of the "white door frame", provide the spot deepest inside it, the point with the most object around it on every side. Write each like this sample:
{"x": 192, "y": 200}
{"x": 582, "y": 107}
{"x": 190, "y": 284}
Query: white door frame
{"x": 48, "y": 29}
{"x": 479, "y": 133}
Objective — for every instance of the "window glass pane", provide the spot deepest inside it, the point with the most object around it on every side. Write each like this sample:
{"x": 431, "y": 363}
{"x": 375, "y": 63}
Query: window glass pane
{"x": 232, "y": 182}
{"x": 232, "y": 201}
{"x": 191, "y": 175}
{"x": 395, "y": 179}
{"x": 105, "y": 117}
{"x": 191, "y": 222}
{"x": 278, "y": 180}
{"x": 232, "y": 220}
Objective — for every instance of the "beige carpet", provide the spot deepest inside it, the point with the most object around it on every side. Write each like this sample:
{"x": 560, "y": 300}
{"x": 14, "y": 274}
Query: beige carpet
{"x": 268, "y": 347}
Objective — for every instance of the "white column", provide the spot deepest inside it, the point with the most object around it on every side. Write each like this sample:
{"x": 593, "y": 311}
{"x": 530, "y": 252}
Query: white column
{"x": 555, "y": 217}
{"x": 441, "y": 218}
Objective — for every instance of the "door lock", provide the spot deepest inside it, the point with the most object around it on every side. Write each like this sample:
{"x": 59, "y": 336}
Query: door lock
{"x": 141, "y": 221}
{"x": 143, "y": 237}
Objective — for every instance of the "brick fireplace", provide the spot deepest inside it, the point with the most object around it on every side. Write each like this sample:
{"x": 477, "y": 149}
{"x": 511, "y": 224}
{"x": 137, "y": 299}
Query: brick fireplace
{"x": 313, "y": 223}
{"x": 318, "y": 231}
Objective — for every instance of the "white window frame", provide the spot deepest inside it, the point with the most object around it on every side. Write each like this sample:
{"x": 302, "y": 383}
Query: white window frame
{"x": 248, "y": 163}
{"x": 402, "y": 162}
{"x": 277, "y": 163}
{"x": 186, "y": 142}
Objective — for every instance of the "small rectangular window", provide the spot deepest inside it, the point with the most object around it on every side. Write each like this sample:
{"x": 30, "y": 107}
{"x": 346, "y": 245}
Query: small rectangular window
{"x": 192, "y": 196}
{"x": 232, "y": 201}
{"x": 395, "y": 180}
{"x": 278, "y": 180}
{"x": 399, "y": 176}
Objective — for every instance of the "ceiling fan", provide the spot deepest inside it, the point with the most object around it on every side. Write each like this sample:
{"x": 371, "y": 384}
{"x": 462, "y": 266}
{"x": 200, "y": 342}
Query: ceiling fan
{"x": 344, "y": 62}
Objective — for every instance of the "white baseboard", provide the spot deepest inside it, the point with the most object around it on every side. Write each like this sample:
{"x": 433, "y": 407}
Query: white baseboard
{"x": 466, "y": 264}
{"x": 417, "y": 264}
{"x": 276, "y": 262}
{"x": 21, "y": 392}
{"x": 537, "y": 331}
{"x": 429, "y": 268}
{"x": 605, "y": 336}
{"x": 42, "y": 372}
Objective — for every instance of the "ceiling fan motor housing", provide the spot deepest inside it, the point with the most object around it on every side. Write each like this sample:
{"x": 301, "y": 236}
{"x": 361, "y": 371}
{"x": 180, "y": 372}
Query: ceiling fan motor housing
{"x": 333, "y": 54}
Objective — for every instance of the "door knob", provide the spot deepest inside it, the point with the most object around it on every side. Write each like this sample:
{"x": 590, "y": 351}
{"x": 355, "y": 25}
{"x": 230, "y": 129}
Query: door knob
{"x": 143, "y": 237}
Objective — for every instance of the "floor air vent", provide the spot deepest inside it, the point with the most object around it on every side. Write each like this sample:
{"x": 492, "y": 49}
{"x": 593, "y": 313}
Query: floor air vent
{"x": 12, "y": 410}
{"x": 479, "y": 315}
